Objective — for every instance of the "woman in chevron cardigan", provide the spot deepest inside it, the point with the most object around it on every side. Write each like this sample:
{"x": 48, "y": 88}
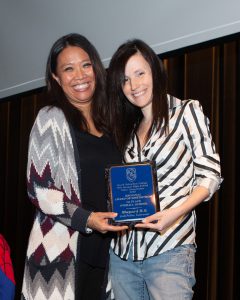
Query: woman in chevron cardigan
{"x": 68, "y": 244}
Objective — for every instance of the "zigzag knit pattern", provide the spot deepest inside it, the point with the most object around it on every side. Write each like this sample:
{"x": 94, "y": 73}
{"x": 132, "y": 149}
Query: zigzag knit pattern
{"x": 52, "y": 182}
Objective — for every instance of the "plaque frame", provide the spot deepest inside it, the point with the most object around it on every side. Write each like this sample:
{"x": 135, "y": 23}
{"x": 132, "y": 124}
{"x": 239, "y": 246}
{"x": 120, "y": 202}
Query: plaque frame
{"x": 151, "y": 200}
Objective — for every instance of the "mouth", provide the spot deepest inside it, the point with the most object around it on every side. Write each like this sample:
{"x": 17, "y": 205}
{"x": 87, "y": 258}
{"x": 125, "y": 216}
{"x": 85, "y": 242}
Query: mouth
{"x": 138, "y": 94}
{"x": 81, "y": 87}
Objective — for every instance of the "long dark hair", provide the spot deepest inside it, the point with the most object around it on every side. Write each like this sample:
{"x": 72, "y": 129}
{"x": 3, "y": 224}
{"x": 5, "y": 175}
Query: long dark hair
{"x": 123, "y": 115}
{"x": 98, "y": 105}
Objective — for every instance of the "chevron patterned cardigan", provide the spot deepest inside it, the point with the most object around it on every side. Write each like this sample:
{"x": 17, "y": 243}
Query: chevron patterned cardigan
{"x": 53, "y": 187}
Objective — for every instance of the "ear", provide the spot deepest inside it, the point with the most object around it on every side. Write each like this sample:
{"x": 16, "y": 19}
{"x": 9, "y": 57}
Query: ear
{"x": 56, "y": 78}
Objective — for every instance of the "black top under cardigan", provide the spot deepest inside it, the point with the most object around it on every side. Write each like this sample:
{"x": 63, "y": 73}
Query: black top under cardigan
{"x": 96, "y": 153}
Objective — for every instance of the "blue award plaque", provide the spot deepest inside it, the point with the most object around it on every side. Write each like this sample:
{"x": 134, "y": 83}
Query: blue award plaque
{"x": 132, "y": 190}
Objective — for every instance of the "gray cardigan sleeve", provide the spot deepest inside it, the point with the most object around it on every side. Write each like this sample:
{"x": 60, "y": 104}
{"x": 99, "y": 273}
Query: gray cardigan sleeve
{"x": 52, "y": 177}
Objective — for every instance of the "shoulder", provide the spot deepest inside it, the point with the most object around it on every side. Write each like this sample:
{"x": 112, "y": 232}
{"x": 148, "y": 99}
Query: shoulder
{"x": 50, "y": 112}
{"x": 50, "y": 120}
{"x": 192, "y": 109}
{"x": 175, "y": 103}
{"x": 52, "y": 116}
{"x": 195, "y": 104}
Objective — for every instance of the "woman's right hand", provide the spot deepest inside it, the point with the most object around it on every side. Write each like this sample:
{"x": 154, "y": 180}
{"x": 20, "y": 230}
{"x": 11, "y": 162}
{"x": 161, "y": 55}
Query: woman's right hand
{"x": 99, "y": 221}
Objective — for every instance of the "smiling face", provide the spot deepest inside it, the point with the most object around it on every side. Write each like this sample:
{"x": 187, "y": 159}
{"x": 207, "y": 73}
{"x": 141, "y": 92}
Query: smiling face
{"x": 138, "y": 83}
{"x": 75, "y": 75}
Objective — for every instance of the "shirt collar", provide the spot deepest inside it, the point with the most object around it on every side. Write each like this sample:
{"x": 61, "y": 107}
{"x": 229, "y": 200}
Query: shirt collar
{"x": 173, "y": 102}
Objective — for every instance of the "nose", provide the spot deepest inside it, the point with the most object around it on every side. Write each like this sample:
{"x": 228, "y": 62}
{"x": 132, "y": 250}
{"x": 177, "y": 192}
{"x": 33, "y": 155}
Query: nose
{"x": 80, "y": 73}
{"x": 134, "y": 84}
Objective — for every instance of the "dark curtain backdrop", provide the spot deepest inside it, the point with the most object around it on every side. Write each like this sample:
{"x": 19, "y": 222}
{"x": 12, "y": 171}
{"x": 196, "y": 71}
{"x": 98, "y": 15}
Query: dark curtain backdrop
{"x": 208, "y": 72}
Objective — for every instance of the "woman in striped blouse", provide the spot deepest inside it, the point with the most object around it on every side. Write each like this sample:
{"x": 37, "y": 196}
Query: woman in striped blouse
{"x": 155, "y": 260}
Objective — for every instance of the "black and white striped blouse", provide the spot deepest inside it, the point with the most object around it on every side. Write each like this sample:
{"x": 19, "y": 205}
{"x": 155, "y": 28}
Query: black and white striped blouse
{"x": 185, "y": 158}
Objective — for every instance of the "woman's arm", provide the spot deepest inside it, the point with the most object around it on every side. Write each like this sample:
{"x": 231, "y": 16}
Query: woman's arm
{"x": 52, "y": 179}
{"x": 195, "y": 128}
{"x": 164, "y": 219}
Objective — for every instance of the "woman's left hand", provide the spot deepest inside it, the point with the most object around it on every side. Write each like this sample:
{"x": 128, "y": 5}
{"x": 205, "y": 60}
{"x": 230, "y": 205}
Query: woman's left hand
{"x": 160, "y": 221}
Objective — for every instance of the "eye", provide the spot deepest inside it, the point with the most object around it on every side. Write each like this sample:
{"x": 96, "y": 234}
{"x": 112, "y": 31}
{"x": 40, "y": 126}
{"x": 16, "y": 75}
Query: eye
{"x": 140, "y": 73}
{"x": 125, "y": 79}
{"x": 68, "y": 69}
{"x": 87, "y": 65}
